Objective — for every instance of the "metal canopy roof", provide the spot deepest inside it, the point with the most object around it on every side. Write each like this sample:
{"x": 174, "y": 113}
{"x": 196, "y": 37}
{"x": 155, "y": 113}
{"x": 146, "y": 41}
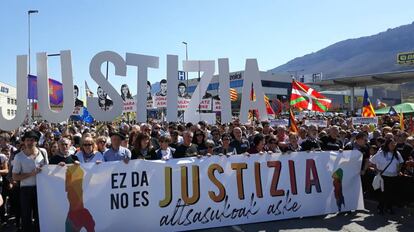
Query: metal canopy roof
{"x": 398, "y": 77}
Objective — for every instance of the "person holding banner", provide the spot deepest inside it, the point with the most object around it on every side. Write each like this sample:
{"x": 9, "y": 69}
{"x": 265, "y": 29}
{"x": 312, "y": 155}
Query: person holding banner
{"x": 116, "y": 152}
{"x": 87, "y": 153}
{"x": 64, "y": 155}
{"x": 27, "y": 164}
{"x": 293, "y": 145}
{"x": 239, "y": 143}
{"x": 187, "y": 148}
{"x": 165, "y": 152}
{"x": 258, "y": 145}
{"x": 311, "y": 142}
{"x": 225, "y": 148}
{"x": 143, "y": 148}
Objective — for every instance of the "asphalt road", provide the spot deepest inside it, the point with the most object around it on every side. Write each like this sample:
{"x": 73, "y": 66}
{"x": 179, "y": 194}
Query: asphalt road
{"x": 366, "y": 220}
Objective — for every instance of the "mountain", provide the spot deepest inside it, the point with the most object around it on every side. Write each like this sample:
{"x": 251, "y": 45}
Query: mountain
{"x": 370, "y": 54}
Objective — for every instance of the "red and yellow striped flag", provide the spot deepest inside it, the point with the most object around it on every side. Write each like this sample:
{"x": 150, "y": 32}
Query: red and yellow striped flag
{"x": 292, "y": 123}
{"x": 233, "y": 94}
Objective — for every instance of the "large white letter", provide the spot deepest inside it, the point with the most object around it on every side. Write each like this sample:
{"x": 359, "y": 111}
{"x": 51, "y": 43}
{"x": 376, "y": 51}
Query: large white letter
{"x": 142, "y": 62}
{"x": 99, "y": 78}
{"x": 252, "y": 76}
{"x": 207, "y": 67}
{"x": 172, "y": 86}
{"x": 224, "y": 90}
{"x": 21, "y": 89}
{"x": 43, "y": 88}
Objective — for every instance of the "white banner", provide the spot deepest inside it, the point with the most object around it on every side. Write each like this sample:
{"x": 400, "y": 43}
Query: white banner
{"x": 205, "y": 104}
{"x": 160, "y": 101}
{"x": 129, "y": 106}
{"x": 216, "y": 105}
{"x": 279, "y": 122}
{"x": 318, "y": 123}
{"x": 183, "y": 103}
{"x": 364, "y": 120}
{"x": 191, "y": 193}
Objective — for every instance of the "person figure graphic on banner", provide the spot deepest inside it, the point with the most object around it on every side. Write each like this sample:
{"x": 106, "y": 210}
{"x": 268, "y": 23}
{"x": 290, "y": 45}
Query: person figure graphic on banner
{"x": 125, "y": 93}
{"x": 78, "y": 102}
{"x": 103, "y": 101}
{"x": 78, "y": 216}
{"x": 182, "y": 91}
{"x": 163, "y": 88}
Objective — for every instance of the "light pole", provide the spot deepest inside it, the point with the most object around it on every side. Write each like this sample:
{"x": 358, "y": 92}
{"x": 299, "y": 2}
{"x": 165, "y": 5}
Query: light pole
{"x": 28, "y": 19}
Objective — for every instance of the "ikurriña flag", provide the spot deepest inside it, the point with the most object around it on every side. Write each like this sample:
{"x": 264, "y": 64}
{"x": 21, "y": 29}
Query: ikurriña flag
{"x": 304, "y": 97}
{"x": 367, "y": 109}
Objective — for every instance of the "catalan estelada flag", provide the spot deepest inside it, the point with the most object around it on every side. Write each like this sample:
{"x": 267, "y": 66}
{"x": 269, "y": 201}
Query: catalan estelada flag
{"x": 233, "y": 94}
{"x": 367, "y": 109}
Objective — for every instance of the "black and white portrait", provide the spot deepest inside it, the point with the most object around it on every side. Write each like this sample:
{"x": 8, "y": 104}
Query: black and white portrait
{"x": 78, "y": 103}
{"x": 182, "y": 91}
{"x": 103, "y": 100}
{"x": 163, "y": 88}
{"x": 125, "y": 93}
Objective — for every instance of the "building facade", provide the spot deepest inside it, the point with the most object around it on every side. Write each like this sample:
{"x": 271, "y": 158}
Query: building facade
{"x": 8, "y": 101}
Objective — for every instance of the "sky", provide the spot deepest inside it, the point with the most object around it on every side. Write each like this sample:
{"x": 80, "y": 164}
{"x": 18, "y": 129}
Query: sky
{"x": 271, "y": 31}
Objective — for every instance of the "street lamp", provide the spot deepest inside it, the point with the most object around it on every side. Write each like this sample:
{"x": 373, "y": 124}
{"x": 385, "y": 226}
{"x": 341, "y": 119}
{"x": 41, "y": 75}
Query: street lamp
{"x": 28, "y": 19}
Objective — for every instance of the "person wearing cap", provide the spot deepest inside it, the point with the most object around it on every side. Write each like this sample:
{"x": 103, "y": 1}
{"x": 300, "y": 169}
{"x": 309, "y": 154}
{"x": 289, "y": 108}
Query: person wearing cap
{"x": 27, "y": 164}
{"x": 116, "y": 152}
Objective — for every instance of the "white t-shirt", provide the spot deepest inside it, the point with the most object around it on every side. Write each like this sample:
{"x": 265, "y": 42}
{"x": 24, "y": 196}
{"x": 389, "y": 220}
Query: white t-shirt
{"x": 3, "y": 160}
{"x": 25, "y": 164}
{"x": 382, "y": 161}
{"x": 98, "y": 156}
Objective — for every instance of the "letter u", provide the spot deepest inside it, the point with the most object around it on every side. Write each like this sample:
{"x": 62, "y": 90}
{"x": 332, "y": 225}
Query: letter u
{"x": 43, "y": 88}
{"x": 21, "y": 89}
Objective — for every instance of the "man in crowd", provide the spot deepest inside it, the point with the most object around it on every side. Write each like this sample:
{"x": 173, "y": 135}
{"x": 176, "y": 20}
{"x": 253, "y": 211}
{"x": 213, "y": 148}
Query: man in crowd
{"x": 187, "y": 148}
{"x": 116, "y": 152}
{"x": 27, "y": 164}
{"x": 64, "y": 155}
{"x": 239, "y": 143}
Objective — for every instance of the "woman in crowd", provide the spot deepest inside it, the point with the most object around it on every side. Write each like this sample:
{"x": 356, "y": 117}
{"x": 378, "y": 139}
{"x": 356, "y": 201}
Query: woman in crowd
{"x": 87, "y": 153}
{"x": 225, "y": 148}
{"x": 388, "y": 162}
{"x": 258, "y": 144}
{"x": 210, "y": 147}
{"x": 53, "y": 149}
{"x": 271, "y": 145}
{"x": 165, "y": 152}
{"x": 143, "y": 147}
{"x": 293, "y": 144}
{"x": 199, "y": 140}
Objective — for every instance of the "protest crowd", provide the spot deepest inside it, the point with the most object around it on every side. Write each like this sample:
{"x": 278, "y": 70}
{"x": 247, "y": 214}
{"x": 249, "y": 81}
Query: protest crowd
{"x": 385, "y": 148}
